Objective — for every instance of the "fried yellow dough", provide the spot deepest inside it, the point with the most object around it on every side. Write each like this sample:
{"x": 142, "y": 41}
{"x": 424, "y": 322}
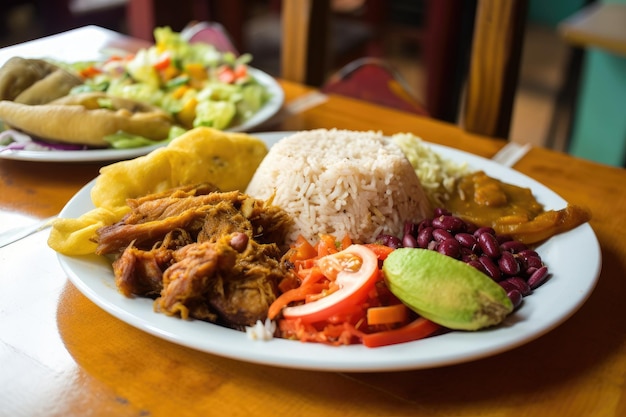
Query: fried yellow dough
{"x": 17, "y": 74}
{"x": 81, "y": 119}
{"x": 55, "y": 85}
{"x": 202, "y": 155}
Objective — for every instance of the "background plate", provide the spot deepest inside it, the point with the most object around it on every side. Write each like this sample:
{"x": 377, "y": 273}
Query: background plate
{"x": 573, "y": 258}
{"x": 277, "y": 96}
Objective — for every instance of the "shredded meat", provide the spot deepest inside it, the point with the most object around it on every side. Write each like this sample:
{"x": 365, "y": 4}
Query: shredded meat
{"x": 206, "y": 255}
{"x": 140, "y": 272}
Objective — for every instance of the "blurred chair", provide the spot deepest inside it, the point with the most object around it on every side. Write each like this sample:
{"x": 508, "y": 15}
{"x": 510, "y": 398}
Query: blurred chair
{"x": 474, "y": 49}
{"x": 255, "y": 26}
{"x": 306, "y": 43}
{"x": 374, "y": 80}
{"x": 212, "y": 33}
{"x": 304, "y": 54}
{"x": 493, "y": 67}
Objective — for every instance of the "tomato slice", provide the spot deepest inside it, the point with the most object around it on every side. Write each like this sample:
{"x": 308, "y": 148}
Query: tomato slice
{"x": 352, "y": 285}
{"x": 163, "y": 62}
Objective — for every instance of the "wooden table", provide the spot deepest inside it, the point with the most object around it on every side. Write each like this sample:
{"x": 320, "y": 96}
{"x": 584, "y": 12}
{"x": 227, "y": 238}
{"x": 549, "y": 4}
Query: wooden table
{"x": 600, "y": 25}
{"x": 61, "y": 355}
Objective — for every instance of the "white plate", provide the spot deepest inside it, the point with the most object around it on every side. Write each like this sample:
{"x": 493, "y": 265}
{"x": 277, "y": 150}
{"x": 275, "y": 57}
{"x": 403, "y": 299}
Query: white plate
{"x": 269, "y": 109}
{"x": 573, "y": 259}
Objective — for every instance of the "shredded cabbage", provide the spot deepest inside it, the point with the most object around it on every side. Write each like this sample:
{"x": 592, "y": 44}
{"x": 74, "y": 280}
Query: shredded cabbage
{"x": 437, "y": 175}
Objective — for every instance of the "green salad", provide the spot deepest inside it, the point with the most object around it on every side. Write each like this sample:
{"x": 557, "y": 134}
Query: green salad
{"x": 194, "y": 82}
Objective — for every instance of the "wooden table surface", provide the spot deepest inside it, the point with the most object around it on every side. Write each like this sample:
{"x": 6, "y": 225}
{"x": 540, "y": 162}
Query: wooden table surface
{"x": 61, "y": 355}
{"x": 598, "y": 25}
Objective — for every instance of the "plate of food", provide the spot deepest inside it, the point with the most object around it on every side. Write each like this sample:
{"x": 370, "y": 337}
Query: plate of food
{"x": 124, "y": 106}
{"x": 573, "y": 258}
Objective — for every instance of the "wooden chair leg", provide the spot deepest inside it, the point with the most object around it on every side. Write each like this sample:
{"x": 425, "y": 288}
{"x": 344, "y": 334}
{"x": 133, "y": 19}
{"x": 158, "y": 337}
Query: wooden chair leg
{"x": 304, "y": 54}
{"x": 447, "y": 40}
{"x": 494, "y": 66}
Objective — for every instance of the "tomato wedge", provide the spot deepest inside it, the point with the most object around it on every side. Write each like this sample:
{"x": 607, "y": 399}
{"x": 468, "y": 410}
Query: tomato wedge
{"x": 352, "y": 285}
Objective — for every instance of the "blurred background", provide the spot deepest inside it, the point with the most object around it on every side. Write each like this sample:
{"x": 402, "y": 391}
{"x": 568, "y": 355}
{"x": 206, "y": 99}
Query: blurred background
{"x": 549, "y": 83}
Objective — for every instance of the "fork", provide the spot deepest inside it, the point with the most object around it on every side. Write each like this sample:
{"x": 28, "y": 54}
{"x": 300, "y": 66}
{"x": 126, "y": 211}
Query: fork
{"x": 511, "y": 153}
{"x": 17, "y": 233}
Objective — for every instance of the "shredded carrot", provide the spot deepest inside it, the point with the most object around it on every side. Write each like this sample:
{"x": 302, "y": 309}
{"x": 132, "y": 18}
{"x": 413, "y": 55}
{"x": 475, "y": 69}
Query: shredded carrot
{"x": 378, "y": 321}
{"x": 89, "y": 72}
{"x": 302, "y": 250}
{"x": 331, "y": 334}
{"x": 397, "y": 313}
{"x": 381, "y": 251}
{"x": 310, "y": 275}
{"x": 289, "y": 282}
{"x": 345, "y": 242}
{"x": 327, "y": 245}
{"x": 417, "y": 329}
{"x": 296, "y": 294}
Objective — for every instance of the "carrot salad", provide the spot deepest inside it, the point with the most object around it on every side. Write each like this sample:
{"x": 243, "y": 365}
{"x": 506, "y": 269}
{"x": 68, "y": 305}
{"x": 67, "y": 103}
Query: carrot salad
{"x": 335, "y": 294}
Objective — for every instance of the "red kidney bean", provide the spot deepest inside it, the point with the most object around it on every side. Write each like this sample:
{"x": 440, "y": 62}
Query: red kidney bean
{"x": 438, "y": 222}
{"x": 482, "y": 230}
{"x": 440, "y": 235}
{"x": 470, "y": 227}
{"x": 440, "y": 211}
{"x": 516, "y": 267}
{"x": 394, "y": 242}
{"x": 449, "y": 223}
{"x": 408, "y": 226}
{"x": 513, "y": 246}
{"x": 503, "y": 238}
{"x": 239, "y": 241}
{"x": 423, "y": 224}
{"x": 489, "y": 244}
{"x": 409, "y": 241}
{"x": 523, "y": 266}
{"x": 492, "y": 269}
{"x": 467, "y": 254}
{"x": 450, "y": 247}
{"x": 389, "y": 240}
{"x": 516, "y": 298}
{"x": 476, "y": 264}
{"x": 410, "y": 229}
{"x": 508, "y": 264}
{"x": 465, "y": 239}
{"x": 507, "y": 285}
{"x": 534, "y": 262}
{"x": 424, "y": 237}
{"x": 521, "y": 285}
{"x": 538, "y": 277}
{"x": 526, "y": 253}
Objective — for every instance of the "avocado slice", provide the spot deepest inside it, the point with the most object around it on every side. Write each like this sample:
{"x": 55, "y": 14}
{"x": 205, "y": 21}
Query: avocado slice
{"x": 445, "y": 290}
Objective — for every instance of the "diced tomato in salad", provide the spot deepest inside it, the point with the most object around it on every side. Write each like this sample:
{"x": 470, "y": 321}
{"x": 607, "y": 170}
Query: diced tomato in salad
{"x": 335, "y": 294}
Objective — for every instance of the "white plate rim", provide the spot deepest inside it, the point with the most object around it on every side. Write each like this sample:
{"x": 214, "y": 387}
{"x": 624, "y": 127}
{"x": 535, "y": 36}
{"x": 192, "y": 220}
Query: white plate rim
{"x": 269, "y": 109}
{"x": 573, "y": 281}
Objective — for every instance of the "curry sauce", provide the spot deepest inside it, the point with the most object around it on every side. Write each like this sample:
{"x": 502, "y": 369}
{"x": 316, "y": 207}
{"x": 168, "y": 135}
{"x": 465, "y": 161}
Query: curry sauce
{"x": 510, "y": 210}
{"x": 481, "y": 199}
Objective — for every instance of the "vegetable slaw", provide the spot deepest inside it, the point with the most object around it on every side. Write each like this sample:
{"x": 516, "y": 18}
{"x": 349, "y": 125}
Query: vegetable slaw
{"x": 196, "y": 83}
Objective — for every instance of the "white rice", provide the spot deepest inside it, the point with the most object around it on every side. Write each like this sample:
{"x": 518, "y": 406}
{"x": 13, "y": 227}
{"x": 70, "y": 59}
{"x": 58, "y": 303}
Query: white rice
{"x": 341, "y": 182}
